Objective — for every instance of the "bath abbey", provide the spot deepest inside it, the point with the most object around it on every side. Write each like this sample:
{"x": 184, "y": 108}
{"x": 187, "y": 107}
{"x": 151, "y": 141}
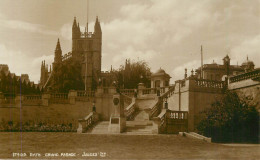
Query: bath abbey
{"x": 86, "y": 50}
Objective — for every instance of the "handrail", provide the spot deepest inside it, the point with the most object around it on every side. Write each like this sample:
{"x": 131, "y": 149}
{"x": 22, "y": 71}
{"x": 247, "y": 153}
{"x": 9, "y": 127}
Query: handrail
{"x": 87, "y": 122}
{"x": 156, "y": 108}
{"x": 130, "y": 110}
{"x": 209, "y": 83}
{"x": 244, "y": 76}
{"x": 127, "y": 99}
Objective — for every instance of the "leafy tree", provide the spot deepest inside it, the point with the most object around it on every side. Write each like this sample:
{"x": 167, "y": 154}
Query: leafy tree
{"x": 230, "y": 119}
{"x": 67, "y": 76}
{"x": 129, "y": 75}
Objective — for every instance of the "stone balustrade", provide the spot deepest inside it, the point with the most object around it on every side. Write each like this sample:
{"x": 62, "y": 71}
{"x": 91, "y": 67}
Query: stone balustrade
{"x": 130, "y": 110}
{"x": 155, "y": 109}
{"x": 87, "y": 122}
{"x": 129, "y": 92}
{"x": 32, "y": 100}
{"x": 62, "y": 98}
{"x": 203, "y": 83}
{"x": 249, "y": 75}
{"x": 127, "y": 100}
{"x": 165, "y": 121}
{"x": 84, "y": 96}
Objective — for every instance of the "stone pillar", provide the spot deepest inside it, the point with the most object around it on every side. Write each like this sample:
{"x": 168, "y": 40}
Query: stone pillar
{"x": 117, "y": 120}
{"x": 156, "y": 125}
{"x": 1, "y": 97}
{"x": 140, "y": 89}
{"x": 18, "y": 100}
{"x": 45, "y": 99}
{"x": 72, "y": 96}
{"x": 82, "y": 126}
{"x": 112, "y": 90}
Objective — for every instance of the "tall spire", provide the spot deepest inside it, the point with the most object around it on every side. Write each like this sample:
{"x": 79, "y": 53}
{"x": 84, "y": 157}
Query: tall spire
{"x": 201, "y": 68}
{"x": 58, "y": 53}
{"x": 97, "y": 26}
{"x": 58, "y": 48}
{"x": 75, "y": 22}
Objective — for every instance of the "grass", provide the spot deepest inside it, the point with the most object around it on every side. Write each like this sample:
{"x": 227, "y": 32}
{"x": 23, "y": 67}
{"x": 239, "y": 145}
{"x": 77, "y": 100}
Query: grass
{"x": 121, "y": 146}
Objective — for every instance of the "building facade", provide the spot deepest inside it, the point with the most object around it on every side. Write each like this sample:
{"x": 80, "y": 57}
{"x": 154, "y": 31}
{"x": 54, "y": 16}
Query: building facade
{"x": 86, "y": 50}
{"x": 216, "y": 71}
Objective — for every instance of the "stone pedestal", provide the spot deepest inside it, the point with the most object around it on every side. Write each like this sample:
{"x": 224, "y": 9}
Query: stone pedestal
{"x": 72, "y": 96}
{"x": 45, "y": 99}
{"x": 82, "y": 126}
{"x": 18, "y": 100}
{"x": 117, "y": 119}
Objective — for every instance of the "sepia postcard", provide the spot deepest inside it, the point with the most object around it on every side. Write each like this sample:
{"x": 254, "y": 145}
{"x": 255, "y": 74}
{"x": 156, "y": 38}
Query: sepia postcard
{"x": 129, "y": 79}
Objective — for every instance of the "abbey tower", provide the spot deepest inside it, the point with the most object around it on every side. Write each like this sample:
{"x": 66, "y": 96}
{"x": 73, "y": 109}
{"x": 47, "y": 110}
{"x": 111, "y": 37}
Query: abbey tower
{"x": 86, "y": 50}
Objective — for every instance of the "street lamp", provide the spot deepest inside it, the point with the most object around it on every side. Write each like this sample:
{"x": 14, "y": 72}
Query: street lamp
{"x": 94, "y": 107}
{"x": 166, "y": 103}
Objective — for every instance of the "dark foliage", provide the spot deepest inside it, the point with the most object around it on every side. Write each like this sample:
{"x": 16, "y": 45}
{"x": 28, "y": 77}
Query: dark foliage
{"x": 31, "y": 126}
{"x": 129, "y": 76}
{"x": 231, "y": 120}
{"x": 67, "y": 76}
{"x": 12, "y": 85}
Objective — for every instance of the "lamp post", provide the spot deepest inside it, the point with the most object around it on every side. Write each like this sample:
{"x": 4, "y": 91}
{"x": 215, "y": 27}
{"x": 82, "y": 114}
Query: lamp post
{"x": 94, "y": 107}
{"x": 166, "y": 103}
{"x": 141, "y": 77}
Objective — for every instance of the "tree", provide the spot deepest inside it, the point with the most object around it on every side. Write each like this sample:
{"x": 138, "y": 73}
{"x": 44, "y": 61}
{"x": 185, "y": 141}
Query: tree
{"x": 130, "y": 74}
{"x": 230, "y": 119}
{"x": 67, "y": 76}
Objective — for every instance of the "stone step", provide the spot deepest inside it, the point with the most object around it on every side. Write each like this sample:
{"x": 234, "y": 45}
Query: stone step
{"x": 138, "y": 133}
{"x": 138, "y": 123}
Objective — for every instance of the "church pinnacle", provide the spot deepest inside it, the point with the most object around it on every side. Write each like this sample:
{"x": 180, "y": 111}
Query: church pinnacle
{"x": 58, "y": 53}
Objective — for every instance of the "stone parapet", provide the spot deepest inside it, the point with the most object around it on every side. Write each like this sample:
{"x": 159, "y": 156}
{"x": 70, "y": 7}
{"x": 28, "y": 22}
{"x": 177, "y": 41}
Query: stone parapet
{"x": 45, "y": 99}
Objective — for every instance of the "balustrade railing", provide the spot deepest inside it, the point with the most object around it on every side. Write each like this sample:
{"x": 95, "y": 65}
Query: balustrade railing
{"x": 130, "y": 111}
{"x": 59, "y": 98}
{"x": 209, "y": 83}
{"x": 84, "y": 95}
{"x": 87, "y": 122}
{"x": 149, "y": 91}
{"x": 156, "y": 108}
{"x": 249, "y": 75}
{"x": 129, "y": 92}
{"x": 127, "y": 99}
{"x": 32, "y": 100}
{"x": 177, "y": 115}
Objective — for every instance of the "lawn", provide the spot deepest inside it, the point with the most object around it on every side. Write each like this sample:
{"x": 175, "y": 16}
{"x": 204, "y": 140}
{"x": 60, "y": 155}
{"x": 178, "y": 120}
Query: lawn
{"x": 119, "y": 146}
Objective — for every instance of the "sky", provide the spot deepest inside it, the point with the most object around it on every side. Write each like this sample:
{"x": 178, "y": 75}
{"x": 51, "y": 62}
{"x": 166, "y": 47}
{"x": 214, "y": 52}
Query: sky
{"x": 166, "y": 34}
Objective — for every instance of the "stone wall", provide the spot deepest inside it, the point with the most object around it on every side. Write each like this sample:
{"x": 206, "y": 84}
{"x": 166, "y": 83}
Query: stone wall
{"x": 57, "y": 108}
{"x": 194, "y": 96}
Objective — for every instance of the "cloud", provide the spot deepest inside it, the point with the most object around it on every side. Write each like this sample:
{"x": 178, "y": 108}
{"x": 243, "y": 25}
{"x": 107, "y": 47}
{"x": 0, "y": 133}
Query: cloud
{"x": 25, "y": 26}
{"x": 166, "y": 34}
{"x": 249, "y": 47}
{"x": 19, "y": 63}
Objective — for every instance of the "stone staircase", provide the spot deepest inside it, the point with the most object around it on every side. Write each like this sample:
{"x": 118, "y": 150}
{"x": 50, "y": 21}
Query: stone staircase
{"x": 100, "y": 128}
{"x": 141, "y": 125}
